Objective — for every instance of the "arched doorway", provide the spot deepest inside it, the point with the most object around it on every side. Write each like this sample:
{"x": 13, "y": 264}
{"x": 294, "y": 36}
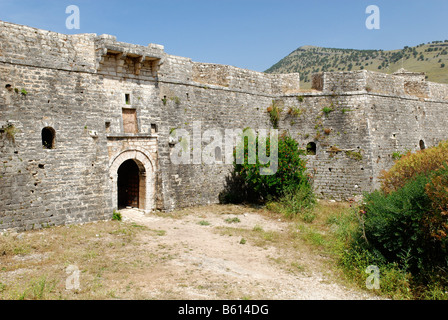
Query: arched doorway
{"x": 128, "y": 185}
{"x": 132, "y": 173}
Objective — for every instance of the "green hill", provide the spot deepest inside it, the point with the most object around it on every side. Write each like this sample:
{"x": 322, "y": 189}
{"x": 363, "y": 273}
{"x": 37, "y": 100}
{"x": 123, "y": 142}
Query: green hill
{"x": 431, "y": 58}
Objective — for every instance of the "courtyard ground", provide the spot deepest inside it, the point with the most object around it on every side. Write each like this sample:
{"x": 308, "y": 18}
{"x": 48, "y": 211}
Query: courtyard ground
{"x": 212, "y": 252}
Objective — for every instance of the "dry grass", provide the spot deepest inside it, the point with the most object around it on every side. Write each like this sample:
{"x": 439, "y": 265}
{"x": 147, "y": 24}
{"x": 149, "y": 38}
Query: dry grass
{"x": 34, "y": 264}
{"x": 318, "y": 236}
{"x": 116, "y": 258}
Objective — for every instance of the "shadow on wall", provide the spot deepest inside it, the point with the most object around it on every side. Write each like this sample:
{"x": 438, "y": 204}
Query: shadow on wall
{"x": 236, "y": 191}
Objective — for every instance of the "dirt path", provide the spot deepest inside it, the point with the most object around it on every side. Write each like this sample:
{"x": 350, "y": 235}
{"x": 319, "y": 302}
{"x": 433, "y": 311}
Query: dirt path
{"x": 204, "y": 257}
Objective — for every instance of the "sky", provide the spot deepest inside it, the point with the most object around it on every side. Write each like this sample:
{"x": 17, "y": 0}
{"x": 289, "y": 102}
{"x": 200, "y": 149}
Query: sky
{"x": 250, "y": 34}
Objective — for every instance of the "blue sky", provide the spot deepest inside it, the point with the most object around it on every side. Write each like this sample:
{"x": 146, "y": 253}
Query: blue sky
{"x": 251, "y": 34}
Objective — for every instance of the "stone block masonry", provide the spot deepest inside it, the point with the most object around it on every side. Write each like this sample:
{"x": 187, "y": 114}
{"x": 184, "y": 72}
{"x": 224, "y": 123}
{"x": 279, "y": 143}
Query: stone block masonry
{"x": 85, "y": 124}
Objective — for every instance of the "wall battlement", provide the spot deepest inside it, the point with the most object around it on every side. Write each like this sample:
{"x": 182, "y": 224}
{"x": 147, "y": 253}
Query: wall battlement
{"x": 85, "y": 125}
{"x": 401, "y": 83}
{"x": 105, "y": 55}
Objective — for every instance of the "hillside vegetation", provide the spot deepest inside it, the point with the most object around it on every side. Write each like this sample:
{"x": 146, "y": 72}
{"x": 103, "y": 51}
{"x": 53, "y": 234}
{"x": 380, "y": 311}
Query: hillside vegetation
{"x": 431, "y": 58}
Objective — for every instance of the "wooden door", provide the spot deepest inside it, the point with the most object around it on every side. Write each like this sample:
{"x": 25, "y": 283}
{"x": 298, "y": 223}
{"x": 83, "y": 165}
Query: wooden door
{"x": 130, "y": 121}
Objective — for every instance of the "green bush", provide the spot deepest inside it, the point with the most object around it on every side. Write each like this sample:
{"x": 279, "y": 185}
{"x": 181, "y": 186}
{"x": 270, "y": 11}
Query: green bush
{"x": 437, "y": 191}
{"x": 290, "y": 172}
{"x": 288, "y": 191}
{"x": 393, "y": 222}
{"x": 395, "y": 281}
{"x": 411, "y": 165}
{"x": 406, "y": 228}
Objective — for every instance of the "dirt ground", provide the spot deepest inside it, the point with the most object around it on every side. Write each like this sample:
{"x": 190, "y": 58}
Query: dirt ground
{"x": 214, "y": 254}
{"x": 220, "y": 252}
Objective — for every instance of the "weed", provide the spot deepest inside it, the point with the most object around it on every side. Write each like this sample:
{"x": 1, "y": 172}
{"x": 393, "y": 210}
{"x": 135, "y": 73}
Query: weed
{"x": 296, "y": 111}
{"x": 396, "y": 155}
{"x": 10, "y": 130}
{"x": 38, "y": 289}
{"x": 176, "y": 100}
{"x": 204, "y": 223}
{"x": 327, "y": 110}
{"x": 233, "y": 220}
{"x": 274, "y": 111}
{"x": 116, "y": 216}
{"x": 297, "y": 267}
{"x": 243, "y": 241}
{"x": 354, "y": 155}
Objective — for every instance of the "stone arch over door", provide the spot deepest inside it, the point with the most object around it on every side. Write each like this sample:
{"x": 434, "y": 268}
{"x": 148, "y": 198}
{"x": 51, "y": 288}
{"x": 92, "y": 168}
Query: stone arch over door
{"x": 147, "y": 170}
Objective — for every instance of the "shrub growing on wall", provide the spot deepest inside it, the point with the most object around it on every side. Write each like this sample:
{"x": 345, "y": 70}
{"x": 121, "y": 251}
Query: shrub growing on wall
{"x": 289, "y": 177}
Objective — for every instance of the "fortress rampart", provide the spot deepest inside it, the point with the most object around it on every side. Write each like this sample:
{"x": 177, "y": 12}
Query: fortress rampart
{"x": 85, "y": 125}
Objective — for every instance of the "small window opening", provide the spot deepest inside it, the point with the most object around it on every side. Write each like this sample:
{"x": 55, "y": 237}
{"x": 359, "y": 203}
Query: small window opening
{"x": 48, "y": 137}
{"x": 153, "y": 128}
{"x": 218, "y": 154}
{"x": 41, "y": 166}
{"x": 127, "y": 98}
{"x": 422, "y": 145}
{"x": 311, "y": 149}
{"x": 107, "y": 126}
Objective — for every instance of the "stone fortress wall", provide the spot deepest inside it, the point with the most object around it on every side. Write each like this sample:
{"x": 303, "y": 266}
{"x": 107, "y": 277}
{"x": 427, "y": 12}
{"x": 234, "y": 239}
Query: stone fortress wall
{"x": 106, "y": 103}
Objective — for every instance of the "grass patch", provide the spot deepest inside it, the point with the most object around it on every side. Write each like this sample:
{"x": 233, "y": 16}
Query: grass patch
{"x": 35, "y": 263}
{"x": 232, "y": 220}
{"x": 298, "y": 202}
{"x": 330, "y": 233}
{"x": 116, "y": 216}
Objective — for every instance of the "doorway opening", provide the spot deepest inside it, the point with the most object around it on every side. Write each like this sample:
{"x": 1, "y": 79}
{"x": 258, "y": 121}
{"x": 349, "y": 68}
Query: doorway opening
{"x": 131, "y": 184}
